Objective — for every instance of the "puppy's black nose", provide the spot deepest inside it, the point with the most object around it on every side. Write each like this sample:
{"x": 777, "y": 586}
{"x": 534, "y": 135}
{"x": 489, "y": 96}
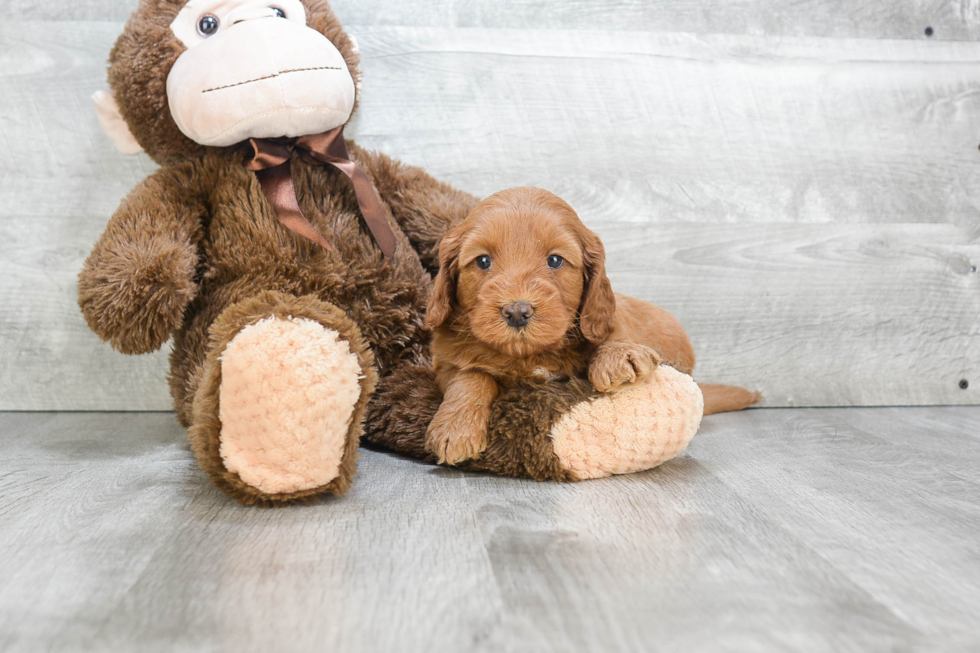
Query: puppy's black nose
{"x": 517, "y": 314}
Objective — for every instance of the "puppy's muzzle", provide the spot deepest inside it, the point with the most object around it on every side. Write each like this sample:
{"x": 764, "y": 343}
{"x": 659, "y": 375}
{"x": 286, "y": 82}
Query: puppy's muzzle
{"x": 517, "y": 314}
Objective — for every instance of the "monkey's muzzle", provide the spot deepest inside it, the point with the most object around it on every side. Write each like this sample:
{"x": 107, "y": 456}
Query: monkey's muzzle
{"x": 260, "y": 78}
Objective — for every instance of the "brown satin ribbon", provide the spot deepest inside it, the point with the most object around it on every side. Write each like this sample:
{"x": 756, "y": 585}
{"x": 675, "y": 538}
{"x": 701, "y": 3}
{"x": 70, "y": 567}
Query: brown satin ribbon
{"x": 270, "y": 162}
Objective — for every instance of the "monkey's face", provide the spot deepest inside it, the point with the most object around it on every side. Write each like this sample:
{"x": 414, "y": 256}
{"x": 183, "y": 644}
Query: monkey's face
{"x": 214, "y": 73}
{"x": 254, "y": 69}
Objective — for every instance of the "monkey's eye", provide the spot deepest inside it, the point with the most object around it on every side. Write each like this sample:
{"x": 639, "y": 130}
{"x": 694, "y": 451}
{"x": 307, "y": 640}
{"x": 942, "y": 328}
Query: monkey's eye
{"x": 207, "y": 25}
{"x": 555, "y": 261}
{"x": 279, "y": 12}
{"x": 483, "y": 262}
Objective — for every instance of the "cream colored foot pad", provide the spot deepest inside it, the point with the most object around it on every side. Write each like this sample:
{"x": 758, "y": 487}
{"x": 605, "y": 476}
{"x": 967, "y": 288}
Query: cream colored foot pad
{"x": 288, "y": 390}
{"x": 631, "y": 430}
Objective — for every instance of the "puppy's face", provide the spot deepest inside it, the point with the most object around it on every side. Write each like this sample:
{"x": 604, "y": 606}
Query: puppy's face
{"x": 520, "y": 270}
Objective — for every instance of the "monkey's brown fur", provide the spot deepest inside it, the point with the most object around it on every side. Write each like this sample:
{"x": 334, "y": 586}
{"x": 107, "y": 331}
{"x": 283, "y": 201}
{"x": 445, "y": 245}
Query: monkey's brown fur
{"x": 519, "y": 425}
{"x": 196, "y": 253}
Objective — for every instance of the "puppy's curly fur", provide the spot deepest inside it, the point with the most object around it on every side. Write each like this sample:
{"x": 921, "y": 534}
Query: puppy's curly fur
{"x": 522, "y": 293}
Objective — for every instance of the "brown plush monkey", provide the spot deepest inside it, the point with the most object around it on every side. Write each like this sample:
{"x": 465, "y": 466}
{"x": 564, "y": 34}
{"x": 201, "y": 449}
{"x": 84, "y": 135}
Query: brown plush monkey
{"x": 292, "y": 285}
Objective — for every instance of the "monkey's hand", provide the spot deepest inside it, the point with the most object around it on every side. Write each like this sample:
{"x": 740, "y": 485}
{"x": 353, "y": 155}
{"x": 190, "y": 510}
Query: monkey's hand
{"x": 615, "y": 364}
{"x": 140, "y": 277}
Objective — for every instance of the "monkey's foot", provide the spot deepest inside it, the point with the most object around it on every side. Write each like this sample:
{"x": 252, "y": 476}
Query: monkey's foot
{"x": 288, "y": 392}
{"x": 640, "y": 427}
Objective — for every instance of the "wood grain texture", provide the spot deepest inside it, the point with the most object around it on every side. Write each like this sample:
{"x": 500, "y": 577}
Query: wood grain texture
{"x": 778, "y": 530}
{"x": 914, "y": 483}
{"x": 805, "y": 206}
{"x": 661, "y": 127}
{"x": 874, "y": 19}
{"x": 56, "y": 195}
{"x": 831, "y": 314}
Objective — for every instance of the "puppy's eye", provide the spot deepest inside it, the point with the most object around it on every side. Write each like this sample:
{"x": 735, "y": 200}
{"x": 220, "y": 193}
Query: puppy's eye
{"x": 555, "y": 261}
{"x": 483, "y": 262}
{"x": 207, "y": 25}
{"x": 279, "y": 12}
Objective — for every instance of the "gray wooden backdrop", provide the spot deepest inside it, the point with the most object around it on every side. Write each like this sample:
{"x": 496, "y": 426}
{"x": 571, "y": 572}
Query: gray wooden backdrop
{"x": 795, "y": 181}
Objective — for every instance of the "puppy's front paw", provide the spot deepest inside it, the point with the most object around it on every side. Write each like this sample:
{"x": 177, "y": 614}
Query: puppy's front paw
{"x": 615, "y": 364}
{"x": 455, "y": 436}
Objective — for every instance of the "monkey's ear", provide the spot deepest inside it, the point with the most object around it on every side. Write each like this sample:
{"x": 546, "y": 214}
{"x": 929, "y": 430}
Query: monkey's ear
{"x": 113, "y": 124}
{"x": 356, "y": 47}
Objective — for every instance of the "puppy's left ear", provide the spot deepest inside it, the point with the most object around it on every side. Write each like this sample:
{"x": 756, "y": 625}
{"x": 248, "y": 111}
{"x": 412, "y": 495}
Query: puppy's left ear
{"x": 598, "y": 302}
{"x": 444, "y": 286}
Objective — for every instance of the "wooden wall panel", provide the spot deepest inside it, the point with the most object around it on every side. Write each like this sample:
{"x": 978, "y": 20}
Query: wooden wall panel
{"x": 805, "y": 206}
{"x": 825, "y": 315}
{"x": 874, "y": 19}
{"x": 58, "y": 185}
{"x": 673, "y": 127}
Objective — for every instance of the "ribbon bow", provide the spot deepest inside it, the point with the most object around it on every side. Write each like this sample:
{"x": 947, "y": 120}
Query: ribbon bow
{"x": 270, "y": 162}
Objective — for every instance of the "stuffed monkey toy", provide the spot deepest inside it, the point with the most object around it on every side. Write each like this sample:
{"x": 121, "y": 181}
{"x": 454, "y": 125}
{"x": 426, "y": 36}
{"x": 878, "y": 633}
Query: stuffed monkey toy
{"x": 292, "y": 269}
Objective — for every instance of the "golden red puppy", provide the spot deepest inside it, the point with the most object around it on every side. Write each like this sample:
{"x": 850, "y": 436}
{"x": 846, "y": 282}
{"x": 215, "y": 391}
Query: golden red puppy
{"x": 522, "y": 293}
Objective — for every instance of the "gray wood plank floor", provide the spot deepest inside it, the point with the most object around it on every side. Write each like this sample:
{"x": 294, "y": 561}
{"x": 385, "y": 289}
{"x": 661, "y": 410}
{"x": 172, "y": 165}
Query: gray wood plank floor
{"x": 778, "y": 530}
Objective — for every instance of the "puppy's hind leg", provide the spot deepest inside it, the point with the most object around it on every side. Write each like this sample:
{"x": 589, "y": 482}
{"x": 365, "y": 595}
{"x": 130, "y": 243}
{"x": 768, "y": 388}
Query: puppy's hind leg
{"x": 725, "y": 398}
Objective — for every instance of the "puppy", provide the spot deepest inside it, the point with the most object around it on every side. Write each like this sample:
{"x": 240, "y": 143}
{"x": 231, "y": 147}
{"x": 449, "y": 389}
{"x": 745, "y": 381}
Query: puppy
{"x": 522, "y": 293}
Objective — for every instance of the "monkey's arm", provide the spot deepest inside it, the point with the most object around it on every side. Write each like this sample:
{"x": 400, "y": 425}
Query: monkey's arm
{"x": 424, "y": 207}
{"x": 140, "y": 276}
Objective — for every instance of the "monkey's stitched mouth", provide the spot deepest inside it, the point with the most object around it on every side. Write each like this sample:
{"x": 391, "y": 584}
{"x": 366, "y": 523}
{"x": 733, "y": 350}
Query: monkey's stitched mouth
{"x": 281, "y": 72}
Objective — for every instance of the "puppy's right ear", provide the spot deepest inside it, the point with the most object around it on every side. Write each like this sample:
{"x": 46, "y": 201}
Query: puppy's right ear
{"x": 444, "y": 286}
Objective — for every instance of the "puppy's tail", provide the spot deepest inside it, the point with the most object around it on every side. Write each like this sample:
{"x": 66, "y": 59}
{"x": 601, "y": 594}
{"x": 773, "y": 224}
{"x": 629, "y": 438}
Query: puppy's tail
{"x": 724, "y": 398}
